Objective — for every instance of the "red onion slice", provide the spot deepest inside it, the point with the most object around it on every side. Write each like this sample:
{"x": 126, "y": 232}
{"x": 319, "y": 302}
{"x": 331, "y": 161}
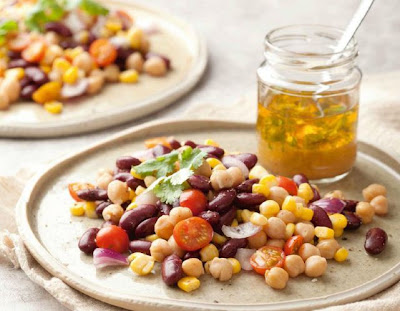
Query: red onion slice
{"x": 73, "y": 22}
{"x": 242, "y": 231}
{"x": 243, "y": 256}
{"x": 119, "y": 42}
{"x": 143, "y": 155}
{"x": 147, "y": 197}
{"x": 330, "y": 205}
{"x": 74, "y": 90}
{"x": 103, "y": 257}
{"x": 230, "y": 161}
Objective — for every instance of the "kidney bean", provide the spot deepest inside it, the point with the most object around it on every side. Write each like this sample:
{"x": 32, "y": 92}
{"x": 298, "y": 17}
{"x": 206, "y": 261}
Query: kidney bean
{"x": 174, "y": 143}
{"x": 199, "y": 182}
{"x": 226, "y": 219}
{"x": 108, "y": 223}
{"x": 126, "y": 204}
{"x": 132, "y": 218}
{"x": 140, "y": 246}
{"x": 123, "y": 53}
{"x": 353, "y": 221}
{"x": 190, "y": 143}
{"x": 68, "y": 44}
{"x": 58, "y": 28}
{"x": 194, "y": 254}
{"x": 320, "y": 217}
{"x": 164, "y": 209}
{"x": 133, "y": 183}
{"x": 92, "y": 195}
{"x": 350, "y": 205}
{"x": 229, "y": 248}
{"x": 247, "y": 185}
{"x": 87, "y": 242}
{"x": 20, "y": 62}
{"x": 25, "y": 81}
{"x": 375, "y": 241}
{"x": 316, "y": 194}
{"x": 166, "y": 60}
{"x": 211, "y": 216}
{"x": 249, "y": 199}
{"x": 27, "y": 91}
{"x": 222, "y": 201}
{"x": 36, "y": 75}
{"x": 13, "y": 55}
{"x": 146, "y": 227}
{"x": 171, "y": 270}
{"x": 215, "y": 151}
{"x": 123, "y": 176}
{"x": 300, "y": 179}
{"x": 249, "y": 159}
{"x": 126, "y": 162}
{"x": 160, "y": 150}
{"x": 100, "y": 208}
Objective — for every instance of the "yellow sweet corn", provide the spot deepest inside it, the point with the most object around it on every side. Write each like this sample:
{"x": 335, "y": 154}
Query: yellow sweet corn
{"x": 259, "y": 188}
{"x": 305, "y": 192}
{"x": 136, "y": 175}
{"x": 142, "y": 265}
{"x": 289, "y": 204}
{"x": 189, "y": 283}
{"x": 239, "y": 215}
{"x": 258, "y": 219}
{"x": 289, "y": 230}
{"x": 257, "y": 172}
{"x": 246, "y": 215}
{"x": 72, "y": 53}
{"x": 341, "y": 254}
{"x": 132, "y": 256}
{"x": 47, "y": 92}
{"x": 129, "y": 76}
{"x": 269, "y": 208}
{"x": 307, "y": 214}
{"x": 234, "y": 223}
{"x": 45, "y": 68}
{"x": 61, "y": 65}
{"x": 77, "y": 209}
{"x": 152, "y": 237}
{"x": 324, "y": 232}
{"x": 213, "y": 162}
{"x": 299, "y": 210}
{"x": 211, "y": 142}
{"x": 269, "y": 181}
{"x": 132, "y": 206}
{"x": 218, "y": 239}
{"x": 132, "y": 194}
{"x": 235, "y": 265}
{"x": 114, "y": 26}
{"x": 135, "y": 36}
{"x": 338, "y": 233}
{"x": 90, "y": 209}
{"x": 54, "y": 107}
{"x": 339, "y": 221}
{"x": 71, "y": 75}
{"x": 209, "y": 252}
{"x": 19, "y": 73}
{"x": 139, "y": 190}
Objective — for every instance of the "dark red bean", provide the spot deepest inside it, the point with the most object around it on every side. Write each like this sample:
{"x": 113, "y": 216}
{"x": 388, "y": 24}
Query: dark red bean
{"x": 171, "y": 270}
{"x": 249, "y": 199}
{"x": 174, "y": 143}
{"x": 320, "y": 217}
{"x": 247, "y": 185}
{"x": 132, "y": 218}
{"x": 100, "y": 208}
{"x": 25, "y": 81}
{"x": 375, "y": 241}
{"x": 226, "y": 219}
{"x": 126, "y": 162}
{"x": 222, "y": 201}
{"x": 160, "y": 150}
{"x": 146, "y": 227}
{"x": 27, "y": 91}
{"x": 199, "y": 182}
{"x": 249, "y": 159}
{"x": 87, "y": 242}
{"x": 353, "y": 221}
{"x": 123, "y": 53}
{"x": 92, "y": 195}
{"x": 58, "y": 28}
{"x": 14, "y": 63}
{"x": 350, "y": 205}
{"x": 140, "y": 246}
{"x": 190, "y": 143}
{"x": 215, "y": 151}
{"x": 166, "y": 60}
{"x": 194, "y": 254}
{"x": 211, "y": 216}
{"x": 164, "y": 209}
{"x": 36, "y": 75}
{"x": 13, "y": 55}
{"x": 133, "y": 183}
{"x": 316, "y": 194}
{"x": 126, "y": 204}
{"x": 68, "y": 44}
{"x": 123, "y": 176}
{"x": 229, "y": 248}
{"x": 300, "y": 179}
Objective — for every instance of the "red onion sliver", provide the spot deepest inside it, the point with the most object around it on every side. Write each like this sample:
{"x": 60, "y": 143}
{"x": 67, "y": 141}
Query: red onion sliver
{"x": 147, "y": 197}
{"x": 143, "y": 155}
{"x": 74, "y": 22}
{"x": 74, "y": 90}
{"x": 242, "y": 231}
{"x": 103, "y": 257}
{"x": 243, "y": 256}
{"x": 119, "y": 41}
{"x": 229, "y": 161}
{"x": 330, "y": 205}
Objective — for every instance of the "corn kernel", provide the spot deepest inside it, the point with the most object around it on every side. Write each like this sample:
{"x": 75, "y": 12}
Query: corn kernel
{"x": 339, "y": 221}
{"x": 262, "y": 189}
{"x": 132, "y": 194}
{"x": 246, "y": 215}
{"x": 305, "y": 192}
{"x": 53, "y": 107}
{"x": 324, "y": 232}
{"x": 219, "y": 167}
{"x": 235, "y": 265}
{"x": 289, "y": 230}
{"x": 152, "y": 237}
{"x": 299, "y": 210}
{"x": 72, "y": 53}
{"x": 132, "y": 256}
{"x": 45, "y": 68}
{"x": 239, "y": 215}
{"x": 234, "y": 223}
{"x": 134, "y": 36}
{"x": 105, "y": 33}
{"x": 136, "y": 175}
{"x": 142, "y": 265}
{"x": 132, "y": 205}
{"x": 19, "y": 73}
{"x": 90, "y": 209}
{"x": 269, "y": 181}
{"x": 47, "y": 92}
{"x": 213, "y": 162}
{"x": 139, "y": 190}
{"x": 77, "y": 209}
{"x": 338, "y": 233}
{"x": 211, "y": 142}
{"x": 208, "y": 252}
{"x": 218, "y": 239}
{"x": 289, "y": 204}
{"x": 189, "y": 283}
{"x": 61, "y": 65}
{"x": 269, "y": 208}
{"x": 258, "y": 219}
{"x": 129, "y": 76}
{"x": 70, "y": 75}
{"x": 114, "y": 26}
{"x": 307, "y": 214}
{"x": 341, "y": 254}
{"x": 257, "y": 172}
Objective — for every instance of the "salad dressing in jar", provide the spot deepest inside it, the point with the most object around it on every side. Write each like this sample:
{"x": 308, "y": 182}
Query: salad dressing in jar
{"x": 308, "y": 100}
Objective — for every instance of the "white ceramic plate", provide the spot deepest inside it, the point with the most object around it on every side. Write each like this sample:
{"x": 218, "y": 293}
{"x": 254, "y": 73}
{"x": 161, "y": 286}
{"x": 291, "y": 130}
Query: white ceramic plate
{"x": 119, "y": 103}
{"x": 52, "y": 234}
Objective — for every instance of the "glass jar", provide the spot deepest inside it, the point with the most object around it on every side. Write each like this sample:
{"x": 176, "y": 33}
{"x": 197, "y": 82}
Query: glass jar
{"x": 308, "y": 99}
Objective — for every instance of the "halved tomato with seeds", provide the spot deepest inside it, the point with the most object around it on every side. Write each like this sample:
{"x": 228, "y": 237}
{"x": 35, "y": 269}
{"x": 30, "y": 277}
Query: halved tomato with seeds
{"x": 293, "y": 244}
{"x": 267, "y": 257}
{"x": 193, "y": 233}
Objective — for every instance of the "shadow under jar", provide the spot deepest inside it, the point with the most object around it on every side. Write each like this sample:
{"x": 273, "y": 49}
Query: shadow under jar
{"x": 308, "y": 98}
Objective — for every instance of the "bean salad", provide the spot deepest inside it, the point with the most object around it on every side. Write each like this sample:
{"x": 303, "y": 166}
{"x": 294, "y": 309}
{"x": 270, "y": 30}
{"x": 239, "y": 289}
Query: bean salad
{"x": 199, "y": 209}
{"x": 52, "y": 51}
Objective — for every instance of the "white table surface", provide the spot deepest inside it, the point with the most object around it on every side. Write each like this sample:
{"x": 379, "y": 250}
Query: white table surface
{"x": 234, "y": 31}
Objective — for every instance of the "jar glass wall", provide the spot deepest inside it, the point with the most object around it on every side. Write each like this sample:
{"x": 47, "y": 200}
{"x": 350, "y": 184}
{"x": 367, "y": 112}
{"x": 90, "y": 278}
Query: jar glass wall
{"x": 308, "y": 99}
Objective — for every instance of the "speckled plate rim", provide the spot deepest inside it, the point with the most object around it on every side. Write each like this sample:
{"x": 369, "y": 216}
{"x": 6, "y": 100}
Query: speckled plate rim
{"x": 129, "y": 112}
{"x": 145, "y": 303}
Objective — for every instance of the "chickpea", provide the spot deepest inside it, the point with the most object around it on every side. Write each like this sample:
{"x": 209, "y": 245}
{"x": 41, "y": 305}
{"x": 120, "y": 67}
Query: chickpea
{"x": 277, "y": 278}
{"x": 299, "y": 200}
{"x": 52, "y": 52}
{"x": 366, "y": 212}
{"x": 209, "y": 252}
{"x": 164, "y": 227}
{"x": 237, "y": 176}
{"x": 111, "y": 73}
{"x": 144, "y": 45}
{"x": 155, "y": 66}
{"x": 307, "y": 250}
{"x": 148, "y": 180}
{"x": 10, "y": 86}
{"x": 175, "y": 247}
{"x": 373, "y": 191}
{"x": 104, "y": 180}
{"x": 315, "y": 266}
{"x": 160, "y": 249}
{"x": 221, "y": 269}
{"x": 287, "y": 216}
{"x": 97, "y": 72}
{"x": 179, "y": 213}
{"x": 258, "y": 240}
{"x": 223, "y": 179}
{"x": 294, "y": 265}
{"x": 276, "y": 243}
{"x": 193, "y": 267}
{"x": 95, "y": 83}
{"x": 113, "y": 213}
{"x": 276, "y": 228}
{"x": 380, "y": 205}
{"x": 337, "y": 194}
{"x": 306, "y": 230}
{"x": 52, "y": 37}
{"x": 204, "y": 169}
{"x": 84, "y": 61}
{"x": 4, "y": 100}
{"x": 135, "y": 61}
{"x": 278, "y": 194}
{"x": 207, "y": 267}
{"x": 103, "y": 170}
{"x": 118, "y": 192}
{"x": 328, "y": 248}
{"x": 55, "y": 75}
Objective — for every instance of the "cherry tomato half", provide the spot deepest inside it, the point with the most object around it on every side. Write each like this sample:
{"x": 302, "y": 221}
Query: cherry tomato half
{"x": 34, "y": 52}
{"x": 19, "y": 42}
{"x": 267, "y": 257}
{"x": 288, "y": 184}
{"x": 293, "y": 244}
{"x": 103, "y": 52}
{"x": 113, "y": 237}
{"x": 193, "y": 199}
{"x": 75, "y": 187}
{"x": 193, "y": 233}
{"x": 152, "y": 142}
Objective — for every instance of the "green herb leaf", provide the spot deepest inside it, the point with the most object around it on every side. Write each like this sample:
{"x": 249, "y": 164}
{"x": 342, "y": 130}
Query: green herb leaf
{"x": 7, "y": 27}
{"x": 192, "y": 158}
{"x": 43, "y": 12}
{"x": 160, "y": 166}
{"x": 92, "y": 8}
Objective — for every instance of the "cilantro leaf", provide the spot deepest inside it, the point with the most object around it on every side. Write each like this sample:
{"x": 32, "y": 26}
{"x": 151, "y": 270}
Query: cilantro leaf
{"x": 160, "y": 166}
{"x": 43, "y": 12}
{"x": 92, "y": 8}
{"x": 192, "y": 158}
{"x": 168, "y": 189}
{"x": 6, "y": 27}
